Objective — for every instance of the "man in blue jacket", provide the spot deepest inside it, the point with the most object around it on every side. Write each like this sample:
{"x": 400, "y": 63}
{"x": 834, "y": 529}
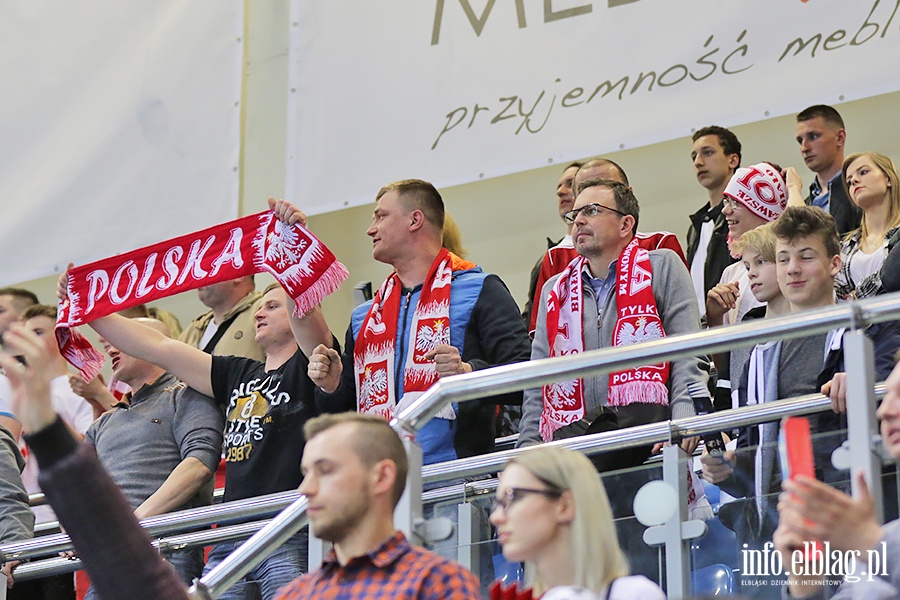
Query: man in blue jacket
{"x": 436, "y": 315}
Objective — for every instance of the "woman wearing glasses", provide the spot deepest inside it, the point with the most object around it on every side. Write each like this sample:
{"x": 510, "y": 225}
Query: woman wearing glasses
{"x": 873, "y": 185}
{"x": 551, "y": 512}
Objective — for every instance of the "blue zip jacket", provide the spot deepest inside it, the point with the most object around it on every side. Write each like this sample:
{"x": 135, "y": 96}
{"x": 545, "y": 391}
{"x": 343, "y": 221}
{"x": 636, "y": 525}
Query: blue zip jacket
{"x": 486, "y": 328}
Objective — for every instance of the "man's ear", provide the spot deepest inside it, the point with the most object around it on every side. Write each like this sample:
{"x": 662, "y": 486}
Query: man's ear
{"x": 733, "y": 161}
{"x": 841, "y": 137}
{"x": 383, "y": 476}
{"x": 627, "y": 226}
{"x": 416, "y": 220}
{"x": 836, "y": 264}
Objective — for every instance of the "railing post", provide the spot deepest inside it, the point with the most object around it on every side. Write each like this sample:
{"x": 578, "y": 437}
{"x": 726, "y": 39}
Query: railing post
{"x": 468, "y": 549}
{"x": 318, "y": 550}
{"x": 254, "y": 550}
{"x": 862, "y": 426}
{"x": 408, "y": 514}
{"x": 678, "y": 549}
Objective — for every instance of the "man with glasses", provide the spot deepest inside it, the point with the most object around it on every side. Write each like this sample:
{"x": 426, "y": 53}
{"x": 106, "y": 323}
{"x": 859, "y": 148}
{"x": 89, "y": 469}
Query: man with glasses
{"x": 556, "y": 258}
{"x": 615, "y": 293}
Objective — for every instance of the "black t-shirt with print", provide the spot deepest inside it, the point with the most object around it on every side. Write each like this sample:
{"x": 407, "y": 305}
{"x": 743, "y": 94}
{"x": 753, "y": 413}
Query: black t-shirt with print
{"x": 264, "y": 418}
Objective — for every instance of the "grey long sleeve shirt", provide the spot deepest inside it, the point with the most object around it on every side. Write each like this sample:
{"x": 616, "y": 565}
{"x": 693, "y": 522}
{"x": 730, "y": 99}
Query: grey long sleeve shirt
{"x": 677, "y": 307}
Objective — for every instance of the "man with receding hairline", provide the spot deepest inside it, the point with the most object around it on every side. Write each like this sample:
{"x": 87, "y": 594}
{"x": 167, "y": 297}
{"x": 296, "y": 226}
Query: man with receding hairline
{"x": 614, "y": 293}
{"x": 228, "y": 328}
{"x": 435, "y": 316}
{"x": 565, "y": 198}
{"x": 556, "y": 258}
{"x": 352, "y": 490}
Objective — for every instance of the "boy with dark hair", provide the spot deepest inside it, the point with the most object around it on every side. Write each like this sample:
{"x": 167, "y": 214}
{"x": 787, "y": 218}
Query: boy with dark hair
{"x": 715, "y": 154}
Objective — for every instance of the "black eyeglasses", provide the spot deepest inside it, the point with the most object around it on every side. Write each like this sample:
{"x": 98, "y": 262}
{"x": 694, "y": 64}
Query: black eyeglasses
{"x": 590, "y": 210}
{"x": 513, "y": 495}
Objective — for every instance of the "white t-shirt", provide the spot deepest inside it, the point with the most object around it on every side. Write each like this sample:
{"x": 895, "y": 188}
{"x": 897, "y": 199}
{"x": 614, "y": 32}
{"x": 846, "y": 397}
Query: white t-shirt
{"x": 699, "y": 263}
{"x": 5, "y": 397}
{"x": 211, "y": 330}
{"x": 862, "y": 265}
{"x": 77, "y": 414}
{"x": 623, "y": 588}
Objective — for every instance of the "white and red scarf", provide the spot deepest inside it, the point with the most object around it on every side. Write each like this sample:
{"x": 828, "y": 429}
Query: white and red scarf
{"x": 638, "y": 320}
{"x": 301, "y": 263}
{"x": 374, "y": 352}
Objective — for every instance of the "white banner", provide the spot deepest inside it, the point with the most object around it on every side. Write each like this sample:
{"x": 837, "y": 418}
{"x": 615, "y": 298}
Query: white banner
{"x": 458, "y": 90}
{"x": 119, "y": 126}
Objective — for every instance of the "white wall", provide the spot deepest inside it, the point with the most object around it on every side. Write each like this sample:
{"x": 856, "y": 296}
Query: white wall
{"x": 504, "y": 221}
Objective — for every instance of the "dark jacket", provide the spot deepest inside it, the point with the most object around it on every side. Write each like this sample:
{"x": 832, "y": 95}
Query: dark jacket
{"x": 717, "y": 257}
{"x": 846, "y": 215}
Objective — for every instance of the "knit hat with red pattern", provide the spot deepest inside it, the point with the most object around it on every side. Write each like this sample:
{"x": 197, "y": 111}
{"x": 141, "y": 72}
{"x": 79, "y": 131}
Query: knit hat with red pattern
{"x": 760, "y": 188}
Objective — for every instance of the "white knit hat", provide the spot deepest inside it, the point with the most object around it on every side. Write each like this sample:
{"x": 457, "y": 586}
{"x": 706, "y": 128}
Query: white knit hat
{"x": 760, "y": 188}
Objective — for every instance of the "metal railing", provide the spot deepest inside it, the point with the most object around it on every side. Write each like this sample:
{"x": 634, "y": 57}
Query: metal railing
{"x": 535, "y": 373}
{"x": 512, "y": 378}
{"x": 522, "y": 376}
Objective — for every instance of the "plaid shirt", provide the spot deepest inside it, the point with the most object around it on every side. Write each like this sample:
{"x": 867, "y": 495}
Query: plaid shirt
{"x": 844, "y": 286}
{"x": 395, "y": 569}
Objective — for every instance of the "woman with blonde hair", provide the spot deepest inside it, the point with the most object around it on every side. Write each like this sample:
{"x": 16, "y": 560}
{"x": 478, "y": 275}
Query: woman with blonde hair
{"x": 452, "y": 237}
{"x": 874, "y": 186}
{"x": 551, "y": 512}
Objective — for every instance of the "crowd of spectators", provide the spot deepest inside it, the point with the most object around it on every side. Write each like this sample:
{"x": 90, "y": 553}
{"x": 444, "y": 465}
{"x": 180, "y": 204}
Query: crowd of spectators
{"x": 251, "y": 380}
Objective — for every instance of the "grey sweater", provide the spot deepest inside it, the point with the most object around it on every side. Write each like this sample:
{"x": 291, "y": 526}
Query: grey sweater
{"x": 16, "y": 518}
{"x": 167, "y": 422}
{"x": 677, "y": 306}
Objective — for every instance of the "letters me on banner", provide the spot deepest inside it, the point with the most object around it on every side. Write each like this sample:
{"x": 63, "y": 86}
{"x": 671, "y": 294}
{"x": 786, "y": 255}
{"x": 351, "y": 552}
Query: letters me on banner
{"x": 300, "y": 262}
{"x": 458, "y": 90}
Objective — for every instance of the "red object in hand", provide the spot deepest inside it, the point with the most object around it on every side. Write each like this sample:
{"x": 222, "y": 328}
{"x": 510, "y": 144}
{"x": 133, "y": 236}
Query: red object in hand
{"x": 498, "y": 592}
{"x": 795, "y": 449}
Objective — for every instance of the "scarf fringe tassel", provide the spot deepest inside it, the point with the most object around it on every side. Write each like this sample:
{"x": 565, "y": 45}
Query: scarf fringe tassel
{"x": 638, "y": 392}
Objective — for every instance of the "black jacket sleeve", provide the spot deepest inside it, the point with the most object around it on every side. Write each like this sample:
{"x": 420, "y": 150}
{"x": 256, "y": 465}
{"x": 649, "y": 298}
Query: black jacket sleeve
{"x": 344, "y": 397}
{"x": 495, "y": 334}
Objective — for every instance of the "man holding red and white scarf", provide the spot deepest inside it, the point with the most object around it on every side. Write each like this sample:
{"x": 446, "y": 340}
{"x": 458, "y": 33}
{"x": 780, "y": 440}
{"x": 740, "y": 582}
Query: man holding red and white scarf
{"x": 436, "y": 315}
{"x": 266, "y": 403}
